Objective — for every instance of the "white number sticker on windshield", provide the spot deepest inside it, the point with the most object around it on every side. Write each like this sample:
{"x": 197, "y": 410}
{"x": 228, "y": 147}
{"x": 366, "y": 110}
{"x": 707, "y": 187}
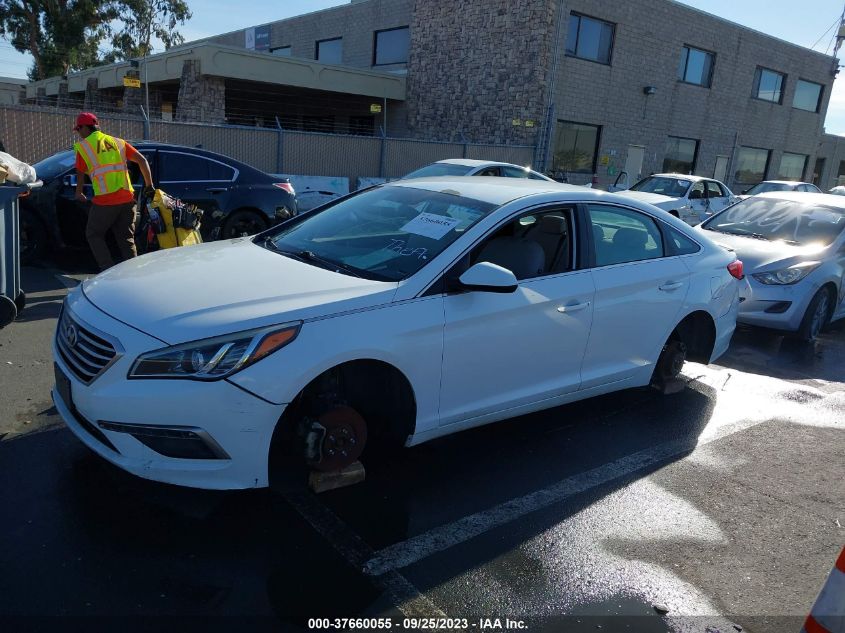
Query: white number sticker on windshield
{"x": 430, "y": 225}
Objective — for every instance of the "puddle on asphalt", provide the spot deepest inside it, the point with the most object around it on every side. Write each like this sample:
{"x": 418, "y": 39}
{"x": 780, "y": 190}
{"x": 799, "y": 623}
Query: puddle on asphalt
{"x": 622, "y": 613}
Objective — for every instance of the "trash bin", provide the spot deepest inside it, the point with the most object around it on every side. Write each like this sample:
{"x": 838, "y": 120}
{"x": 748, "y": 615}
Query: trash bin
{"x": 12, "y": 297}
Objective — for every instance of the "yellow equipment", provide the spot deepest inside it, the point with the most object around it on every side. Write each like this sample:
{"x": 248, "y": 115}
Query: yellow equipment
{"x": 173, "y": 222}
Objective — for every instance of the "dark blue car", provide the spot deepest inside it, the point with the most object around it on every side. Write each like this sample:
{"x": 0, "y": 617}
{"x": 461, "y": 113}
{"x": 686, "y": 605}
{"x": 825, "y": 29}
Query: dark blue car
{"x": 237, "y": 199}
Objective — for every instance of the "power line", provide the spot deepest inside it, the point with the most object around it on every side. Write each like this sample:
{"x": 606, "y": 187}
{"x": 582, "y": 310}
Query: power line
{"x": 832, "y": 26}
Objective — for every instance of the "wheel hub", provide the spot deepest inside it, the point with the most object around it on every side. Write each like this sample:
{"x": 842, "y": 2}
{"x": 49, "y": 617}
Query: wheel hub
{"x": 344, "y": 435}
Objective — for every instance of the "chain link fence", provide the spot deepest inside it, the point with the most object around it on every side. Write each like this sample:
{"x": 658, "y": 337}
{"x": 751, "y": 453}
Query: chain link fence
{"x": 32, "y": 133}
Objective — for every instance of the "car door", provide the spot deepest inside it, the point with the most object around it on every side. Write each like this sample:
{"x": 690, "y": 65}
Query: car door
{"x": 697, "y": 204}
{"x": 639, "y": 294}
{"x": 506, "y": 350}
{"x": 717, "y": 198}
{"x": 196, "y": 179}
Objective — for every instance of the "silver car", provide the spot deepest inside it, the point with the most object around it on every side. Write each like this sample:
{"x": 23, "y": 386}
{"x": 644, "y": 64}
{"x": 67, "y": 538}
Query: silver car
{"x": 793, "y": 247}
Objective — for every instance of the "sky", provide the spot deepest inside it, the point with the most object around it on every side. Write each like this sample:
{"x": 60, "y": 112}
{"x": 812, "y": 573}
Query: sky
{"x": 802, "y": 23}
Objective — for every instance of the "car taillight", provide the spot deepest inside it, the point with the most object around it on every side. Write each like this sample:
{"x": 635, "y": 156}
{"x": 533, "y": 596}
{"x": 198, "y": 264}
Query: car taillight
{"x": 735, "y": 269}
{"x": 286, "y": 186}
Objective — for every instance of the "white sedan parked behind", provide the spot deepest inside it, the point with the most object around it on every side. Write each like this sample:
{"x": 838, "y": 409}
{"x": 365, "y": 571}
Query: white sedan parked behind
{"x": 471, "y": 167}
{"x": 387, "y": 318}
{"x": 690, "y": 198}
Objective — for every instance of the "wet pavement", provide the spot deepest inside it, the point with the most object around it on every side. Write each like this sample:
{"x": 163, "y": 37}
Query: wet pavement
{"x": 717, "y": 508}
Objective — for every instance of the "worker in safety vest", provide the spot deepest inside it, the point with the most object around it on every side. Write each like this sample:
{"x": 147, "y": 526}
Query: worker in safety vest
{"x": 103, "y": 159}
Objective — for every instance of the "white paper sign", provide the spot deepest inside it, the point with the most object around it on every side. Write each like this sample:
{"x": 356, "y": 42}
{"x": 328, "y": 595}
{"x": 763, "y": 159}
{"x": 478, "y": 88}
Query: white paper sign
{"x": 430, "y": 225}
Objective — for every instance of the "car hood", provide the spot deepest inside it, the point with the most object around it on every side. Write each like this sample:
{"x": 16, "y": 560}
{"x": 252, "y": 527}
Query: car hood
{"x": 759, "y": 255}
{"x": 194, "y": 292}
{"x": 657, "y": 199}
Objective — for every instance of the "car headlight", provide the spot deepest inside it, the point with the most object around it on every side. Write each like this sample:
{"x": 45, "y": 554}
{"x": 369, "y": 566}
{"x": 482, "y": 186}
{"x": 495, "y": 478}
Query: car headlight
{"x": 787, "y": 276}
{"x": 214, "y": 358}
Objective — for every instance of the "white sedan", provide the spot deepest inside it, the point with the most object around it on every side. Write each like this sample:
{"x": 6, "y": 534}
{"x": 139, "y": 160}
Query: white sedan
{"x": 693, "y": 199}
{"x": 471, "y": 167}
{"x": 390, "y": 317}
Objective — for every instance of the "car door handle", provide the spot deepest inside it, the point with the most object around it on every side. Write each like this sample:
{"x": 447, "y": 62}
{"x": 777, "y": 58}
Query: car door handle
{"x": 217, "y": 189}
{"x": 573, "y": 307}
{"x": 672, "y": 285}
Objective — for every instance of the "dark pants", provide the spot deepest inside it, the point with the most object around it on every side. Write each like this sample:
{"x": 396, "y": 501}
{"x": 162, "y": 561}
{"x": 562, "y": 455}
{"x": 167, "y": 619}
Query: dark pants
{"x": 120, "y": 220}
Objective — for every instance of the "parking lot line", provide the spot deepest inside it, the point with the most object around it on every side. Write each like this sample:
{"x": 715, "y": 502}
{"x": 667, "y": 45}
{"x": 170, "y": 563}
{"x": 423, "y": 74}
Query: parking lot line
{"x": 356, "y": 552}
{"x": 405, "y": 553}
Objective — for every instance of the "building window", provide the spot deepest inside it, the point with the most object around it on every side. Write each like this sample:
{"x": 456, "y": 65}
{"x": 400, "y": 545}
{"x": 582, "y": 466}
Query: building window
{"x": 792, "y": 166}
{"x": 680, "y": 155}
{"x": 576, "y": 147}
{"x": 751, "y": 165}
{"x": 768, "y": 85}
{"x": 589, "y": 38}
{"x": 362, "y": 125}
{"x": 281, "y": 51}
{"x": 808, "y": 96}
{"x": 317, "y": 123}
{"x": 696, "y": 66}
{"x": 391, "y": 46}
{"x": 330, "y": 51}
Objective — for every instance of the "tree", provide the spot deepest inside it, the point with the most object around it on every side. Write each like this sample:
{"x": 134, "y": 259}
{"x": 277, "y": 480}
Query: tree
{"x": 61, "y": 35}
{"x": 145, "y": 19}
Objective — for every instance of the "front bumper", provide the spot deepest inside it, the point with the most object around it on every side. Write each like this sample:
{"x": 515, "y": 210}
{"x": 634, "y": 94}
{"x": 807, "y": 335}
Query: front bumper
{"x": 226, "y": 430}
{"x": 777, "y": 307}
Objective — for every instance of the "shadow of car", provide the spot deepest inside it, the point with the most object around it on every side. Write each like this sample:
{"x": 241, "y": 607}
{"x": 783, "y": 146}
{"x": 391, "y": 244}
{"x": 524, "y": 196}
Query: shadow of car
{"x": 237, "y": 199}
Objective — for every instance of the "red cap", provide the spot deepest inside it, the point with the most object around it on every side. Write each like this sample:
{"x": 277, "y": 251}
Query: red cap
{"x": 86, "y": 118}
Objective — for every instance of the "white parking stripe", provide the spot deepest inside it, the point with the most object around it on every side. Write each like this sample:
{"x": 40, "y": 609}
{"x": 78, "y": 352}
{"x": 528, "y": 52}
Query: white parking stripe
{"x": 442, "y": 538}
{"x": 355, "y": 551}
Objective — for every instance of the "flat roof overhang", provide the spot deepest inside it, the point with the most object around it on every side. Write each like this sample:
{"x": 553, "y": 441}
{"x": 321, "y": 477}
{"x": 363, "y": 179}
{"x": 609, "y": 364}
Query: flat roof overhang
{"x": 237, "y": 63}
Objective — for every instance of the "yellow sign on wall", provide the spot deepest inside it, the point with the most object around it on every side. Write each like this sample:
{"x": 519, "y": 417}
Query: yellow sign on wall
{"x": 131, "y": 82}
{"x": 516, "y": 122}
{"x": 375, "y": 108}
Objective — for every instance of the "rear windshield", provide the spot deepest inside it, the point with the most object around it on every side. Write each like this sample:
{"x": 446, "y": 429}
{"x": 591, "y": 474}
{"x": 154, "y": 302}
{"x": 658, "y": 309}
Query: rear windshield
{"x": 439, "y": 169}
{"x": 770, "y": 219}
{"x": 672, "y": 187}
{"x": 54, "y": 165}
{"x": 385, "y": 234}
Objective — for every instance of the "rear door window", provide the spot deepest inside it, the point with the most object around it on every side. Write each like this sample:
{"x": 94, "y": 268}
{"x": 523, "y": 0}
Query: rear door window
{"x": 623, "y": 235}
{"x": 182, "y": 167}
{"x": 514, "y": 172}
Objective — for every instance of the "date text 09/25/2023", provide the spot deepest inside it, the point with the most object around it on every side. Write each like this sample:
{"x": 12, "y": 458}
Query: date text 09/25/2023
{"x": 417, "y": 624}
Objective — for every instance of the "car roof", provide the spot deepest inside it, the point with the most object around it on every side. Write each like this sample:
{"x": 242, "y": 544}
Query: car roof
{"x": 683, "y": 177}
{"x": 470, "y": 162}
{"x": 499, "y": 191}
{"x": 825, "y": 199}
{"x": 785, "y": 182}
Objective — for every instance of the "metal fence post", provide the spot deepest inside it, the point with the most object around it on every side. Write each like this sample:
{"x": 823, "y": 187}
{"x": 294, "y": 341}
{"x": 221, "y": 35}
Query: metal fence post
{"x": 280, "y": 146}
{"x": 382, "y": 154}
{"x": 146, "y": 124}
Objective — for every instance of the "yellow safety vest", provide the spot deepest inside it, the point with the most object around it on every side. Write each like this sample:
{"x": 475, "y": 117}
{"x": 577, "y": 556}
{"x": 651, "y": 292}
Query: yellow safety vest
{"x": 105, "y": 157}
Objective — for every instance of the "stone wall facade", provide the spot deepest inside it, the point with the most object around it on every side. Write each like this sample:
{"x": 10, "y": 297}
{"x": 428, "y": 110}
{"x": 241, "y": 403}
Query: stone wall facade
{"x": 201, "y": 98}
{"x": 480, "y": 77}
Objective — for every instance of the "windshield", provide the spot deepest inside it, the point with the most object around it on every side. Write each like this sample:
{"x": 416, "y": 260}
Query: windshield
{"x": 672, "y": 187}
{"x": 386, "y": 234}
{"x": 54, "y": 165}
{"x": 764, "y": 187}
{"x": 440, "y": 169}
{"x": 771, "y": 219}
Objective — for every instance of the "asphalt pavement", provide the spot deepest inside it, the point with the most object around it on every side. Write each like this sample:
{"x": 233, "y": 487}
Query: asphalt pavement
{"x": 720, "y": 508}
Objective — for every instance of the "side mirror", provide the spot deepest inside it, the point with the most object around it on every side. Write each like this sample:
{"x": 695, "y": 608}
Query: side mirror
{"x": 487, "y": 277}
{"x": 69, "y": 180}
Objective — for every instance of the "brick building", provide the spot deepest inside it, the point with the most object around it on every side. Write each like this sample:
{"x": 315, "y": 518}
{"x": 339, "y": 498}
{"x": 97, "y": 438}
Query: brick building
{"x": 600, "y": 87}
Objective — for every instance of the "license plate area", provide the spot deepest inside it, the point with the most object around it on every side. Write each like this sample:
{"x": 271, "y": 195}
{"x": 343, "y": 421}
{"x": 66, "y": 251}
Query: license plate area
{"x": 63, "y": 386}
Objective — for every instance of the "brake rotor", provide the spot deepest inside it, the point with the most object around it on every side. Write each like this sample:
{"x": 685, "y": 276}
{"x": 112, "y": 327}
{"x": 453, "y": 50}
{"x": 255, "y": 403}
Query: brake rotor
{"x": 344, "y": 438}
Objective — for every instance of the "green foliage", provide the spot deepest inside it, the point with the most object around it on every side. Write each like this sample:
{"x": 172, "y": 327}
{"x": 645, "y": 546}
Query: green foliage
{"x": 144, "y": 20}
{"x": 65, "y": 35}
